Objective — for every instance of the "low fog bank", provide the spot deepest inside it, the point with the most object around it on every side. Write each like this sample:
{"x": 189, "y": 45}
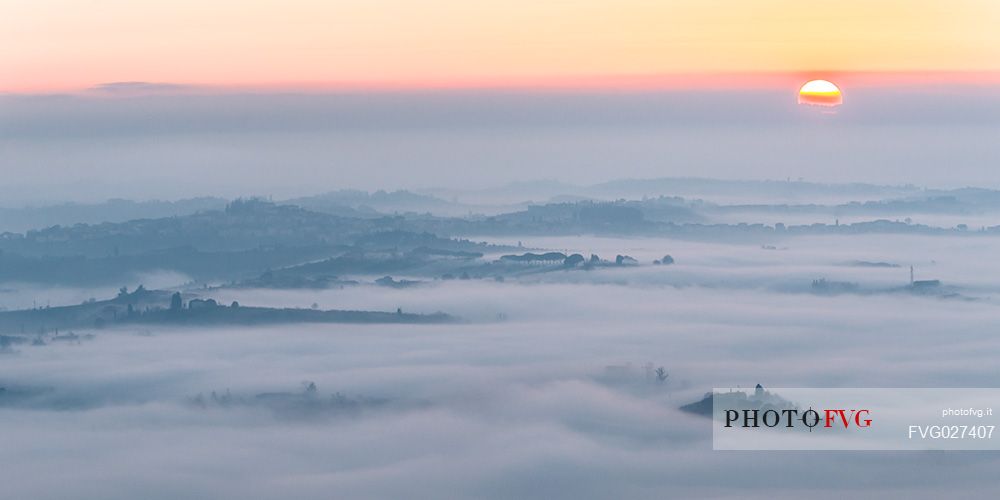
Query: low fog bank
{"x": 790, "y": 264}
{"x": 877, "y": 264}
{"x": 551, "y": 398}
{"x": 85, "y": 149}
{"x": 874, "y": 263}
{"x": 975, "y": 221}
{"x": 487, "y": 411}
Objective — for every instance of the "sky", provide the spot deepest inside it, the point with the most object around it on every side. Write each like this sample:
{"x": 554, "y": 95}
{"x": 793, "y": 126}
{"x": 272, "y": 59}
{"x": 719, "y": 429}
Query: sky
{"x": 73, "y": 148}
{"x": 65, "y": 45}
{"x": 109, "y": 98}
{"x": 156, "y": 99}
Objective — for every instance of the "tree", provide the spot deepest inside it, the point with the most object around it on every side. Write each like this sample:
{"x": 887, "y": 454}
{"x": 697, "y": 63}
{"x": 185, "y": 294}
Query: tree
{"x": 661, "y": 375}
{"x": 573, "y": 260}
{"x": 176, "y": 304}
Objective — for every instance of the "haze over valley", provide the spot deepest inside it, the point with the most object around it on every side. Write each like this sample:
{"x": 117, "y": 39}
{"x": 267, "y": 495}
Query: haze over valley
{"x": 376, "y": 329}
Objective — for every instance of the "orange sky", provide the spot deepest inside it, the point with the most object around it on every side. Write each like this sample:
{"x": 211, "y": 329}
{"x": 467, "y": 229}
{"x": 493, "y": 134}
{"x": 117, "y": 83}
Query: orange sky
{"x": 59, "y": 45}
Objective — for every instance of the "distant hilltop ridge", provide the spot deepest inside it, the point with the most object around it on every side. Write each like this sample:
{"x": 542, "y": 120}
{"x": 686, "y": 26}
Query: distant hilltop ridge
{"x": 248, "y": 238}
{"x": 159, "y": 307}
{"x": 677, "y": 200}
{"x": 738, "y": 400}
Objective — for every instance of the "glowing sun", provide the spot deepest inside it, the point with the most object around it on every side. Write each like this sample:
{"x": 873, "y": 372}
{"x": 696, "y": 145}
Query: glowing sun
{"x": 820, "y": 93}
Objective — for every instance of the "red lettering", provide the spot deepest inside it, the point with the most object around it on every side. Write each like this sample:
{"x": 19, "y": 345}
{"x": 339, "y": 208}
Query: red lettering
{"x": 831, "y": 415}
{"x": 862, "y": 423}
